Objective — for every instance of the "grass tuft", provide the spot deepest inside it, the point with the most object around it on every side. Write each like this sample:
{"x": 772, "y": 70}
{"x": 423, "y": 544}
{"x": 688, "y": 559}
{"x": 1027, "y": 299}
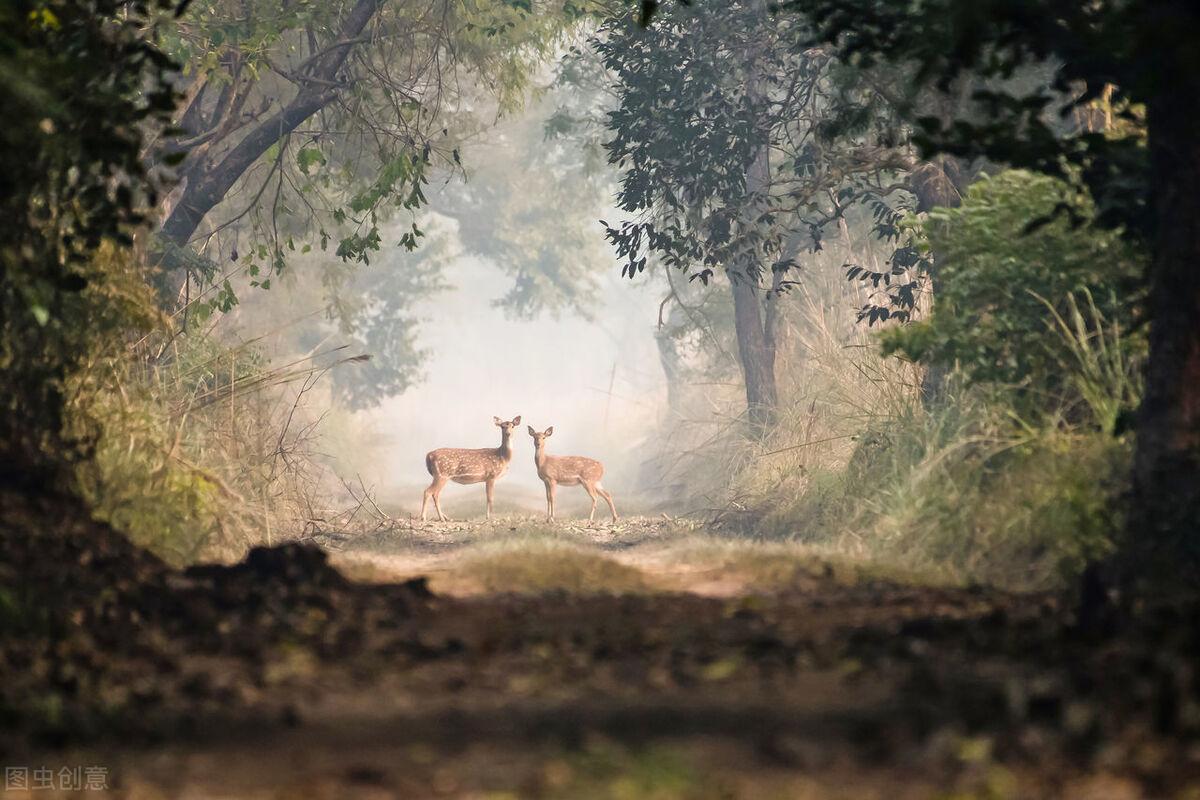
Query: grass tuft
{"x": 536, "y": 563}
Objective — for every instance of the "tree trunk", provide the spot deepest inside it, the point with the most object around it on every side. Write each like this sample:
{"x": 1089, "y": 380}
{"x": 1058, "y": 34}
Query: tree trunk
{"x": 670, "y": 360}
{"x": 210, "y": 180}
{"x": 210, "y": 183}
{"x": 1165, "y": 520}
{"x": 755, "y": 335}
{"x": 754, "y": 351}
{"x": 938, "y": 183}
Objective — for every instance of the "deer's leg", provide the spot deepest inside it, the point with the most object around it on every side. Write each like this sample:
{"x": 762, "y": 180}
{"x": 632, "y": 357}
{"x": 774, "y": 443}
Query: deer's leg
{"x": 591, "y": 490}
{"x": 608, "y": 499}
{"x": 491, "y": 493}
{"x": 551, "y": 488}
{"x": 425, "y": 497}
{"x": 435, "y": 491}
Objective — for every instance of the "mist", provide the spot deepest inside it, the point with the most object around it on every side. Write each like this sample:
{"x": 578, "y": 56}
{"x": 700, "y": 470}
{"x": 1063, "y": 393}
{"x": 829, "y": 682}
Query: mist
{"x": 896, "y": 427}
{"x": 597, "y": 382}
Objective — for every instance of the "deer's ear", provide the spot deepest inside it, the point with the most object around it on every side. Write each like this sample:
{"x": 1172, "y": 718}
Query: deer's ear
{"x": 550, "y": 430}
{"x": 532, "y": 432}
{"x": 495, "y": 420}
{"x": 517, "y": 420}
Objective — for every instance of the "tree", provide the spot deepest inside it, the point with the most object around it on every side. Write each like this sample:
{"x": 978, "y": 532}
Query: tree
{"x": 1142, "y": 56}
{"x": 319, "y": 118}
{"x": 80, "y": 82}
{"x": 1003, "y": 289}
{"x": 730, "y": 163}
{"x": 527, "y": 206}
{"x": 938, "y": 182}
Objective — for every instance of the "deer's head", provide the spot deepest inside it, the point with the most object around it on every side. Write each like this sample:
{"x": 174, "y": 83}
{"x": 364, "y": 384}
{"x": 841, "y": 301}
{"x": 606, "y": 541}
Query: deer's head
{"x": 507, "y": 426}
{"x": 540, "y": 438}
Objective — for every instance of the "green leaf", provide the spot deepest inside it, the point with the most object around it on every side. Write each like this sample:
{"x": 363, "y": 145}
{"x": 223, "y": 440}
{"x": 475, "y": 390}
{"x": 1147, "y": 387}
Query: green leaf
{"x": 307, "y": 157}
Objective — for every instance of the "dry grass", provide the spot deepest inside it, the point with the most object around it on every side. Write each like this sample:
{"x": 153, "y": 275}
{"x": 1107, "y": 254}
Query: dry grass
{"x": 643, "y": 556}
{"x": 205, "y": 449}
{"x": 773, "y": 566}
{"x": 859, "y": 468}
{"x": 833, "y": 384}
{"x": 538, "y": 563}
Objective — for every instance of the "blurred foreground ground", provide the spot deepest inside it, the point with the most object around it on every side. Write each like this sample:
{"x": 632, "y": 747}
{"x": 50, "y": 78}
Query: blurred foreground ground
{"x": 646, "y": 659}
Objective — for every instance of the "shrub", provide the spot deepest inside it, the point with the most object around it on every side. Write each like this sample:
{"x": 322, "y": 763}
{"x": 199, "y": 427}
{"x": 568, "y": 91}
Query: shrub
{"x": 80, "y": 83}
{"x": 964, "y": 492}
{"x": 199, "y": 452}
{"x": 1009, "y": 262}
{"x": 1015, "y": 477}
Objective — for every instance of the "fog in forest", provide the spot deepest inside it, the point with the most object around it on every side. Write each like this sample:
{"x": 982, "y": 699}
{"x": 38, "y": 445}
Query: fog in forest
{"x": 595, "y": 376}
{"x": 867, "y": 331}
{"x": 596, "y": 381}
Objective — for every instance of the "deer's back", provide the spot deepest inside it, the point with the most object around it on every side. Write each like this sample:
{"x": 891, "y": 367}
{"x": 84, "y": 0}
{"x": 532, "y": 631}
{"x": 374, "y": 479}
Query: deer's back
{"x": 462, "y": 462}
{"x": 571, "y": 469}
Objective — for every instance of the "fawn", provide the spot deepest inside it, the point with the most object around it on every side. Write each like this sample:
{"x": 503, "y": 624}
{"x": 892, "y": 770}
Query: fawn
{"x": 463, "y": 465}
{"x": 569, "y": 471}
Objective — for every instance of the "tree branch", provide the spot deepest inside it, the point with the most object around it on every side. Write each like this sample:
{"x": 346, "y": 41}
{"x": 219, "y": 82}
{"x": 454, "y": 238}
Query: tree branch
{"x": 209, "y": 184}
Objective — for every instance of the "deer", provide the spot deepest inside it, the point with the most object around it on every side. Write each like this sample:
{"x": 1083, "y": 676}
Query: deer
{"x": 465, "y": 465}
{"x": 568, "y": 471}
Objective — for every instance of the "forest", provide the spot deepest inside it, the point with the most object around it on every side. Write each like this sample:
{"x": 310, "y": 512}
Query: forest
{"x": 671, "y": 399}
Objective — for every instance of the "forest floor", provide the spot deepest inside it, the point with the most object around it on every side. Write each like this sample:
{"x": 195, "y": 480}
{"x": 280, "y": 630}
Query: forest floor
{"x": 646, "y": 659}
{"x": 524, "y": 554}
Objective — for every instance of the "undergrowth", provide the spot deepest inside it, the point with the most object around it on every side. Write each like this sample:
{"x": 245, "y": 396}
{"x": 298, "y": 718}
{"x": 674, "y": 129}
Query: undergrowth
{"x": 205, "y": 448}
{"x": 1012, "y": 473}
{"x": 962, "y": 491}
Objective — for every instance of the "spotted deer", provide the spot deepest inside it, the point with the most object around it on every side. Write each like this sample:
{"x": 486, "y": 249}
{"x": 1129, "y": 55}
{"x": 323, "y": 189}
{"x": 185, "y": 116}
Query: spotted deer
{"x": 568, "y": 471}
{"x": 462, "y": 465}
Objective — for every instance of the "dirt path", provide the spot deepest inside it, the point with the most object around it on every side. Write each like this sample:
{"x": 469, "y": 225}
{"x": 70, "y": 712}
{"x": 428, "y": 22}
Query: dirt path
{"x": 669, "y": 555}
{"x": 571, "y": 663}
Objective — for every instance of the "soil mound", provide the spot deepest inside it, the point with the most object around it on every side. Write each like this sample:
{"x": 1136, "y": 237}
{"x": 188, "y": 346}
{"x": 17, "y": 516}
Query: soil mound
{"x": 97, "y": 634}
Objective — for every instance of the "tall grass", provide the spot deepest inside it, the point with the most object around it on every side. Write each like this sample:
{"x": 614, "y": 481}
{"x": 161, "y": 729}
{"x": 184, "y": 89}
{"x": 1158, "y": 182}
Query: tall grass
{"x": 203, "y": 449}
{"x": 1105, "y": 363}
{"x": 832, "y": 383}
{"x": 971, "y": 489}
{"x": 965, "y": 492}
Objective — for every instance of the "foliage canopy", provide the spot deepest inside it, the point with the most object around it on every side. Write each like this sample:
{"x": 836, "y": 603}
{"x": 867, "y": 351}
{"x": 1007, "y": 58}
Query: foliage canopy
{"x": 999, "y": 283}
{"x": 80, "y": 81}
